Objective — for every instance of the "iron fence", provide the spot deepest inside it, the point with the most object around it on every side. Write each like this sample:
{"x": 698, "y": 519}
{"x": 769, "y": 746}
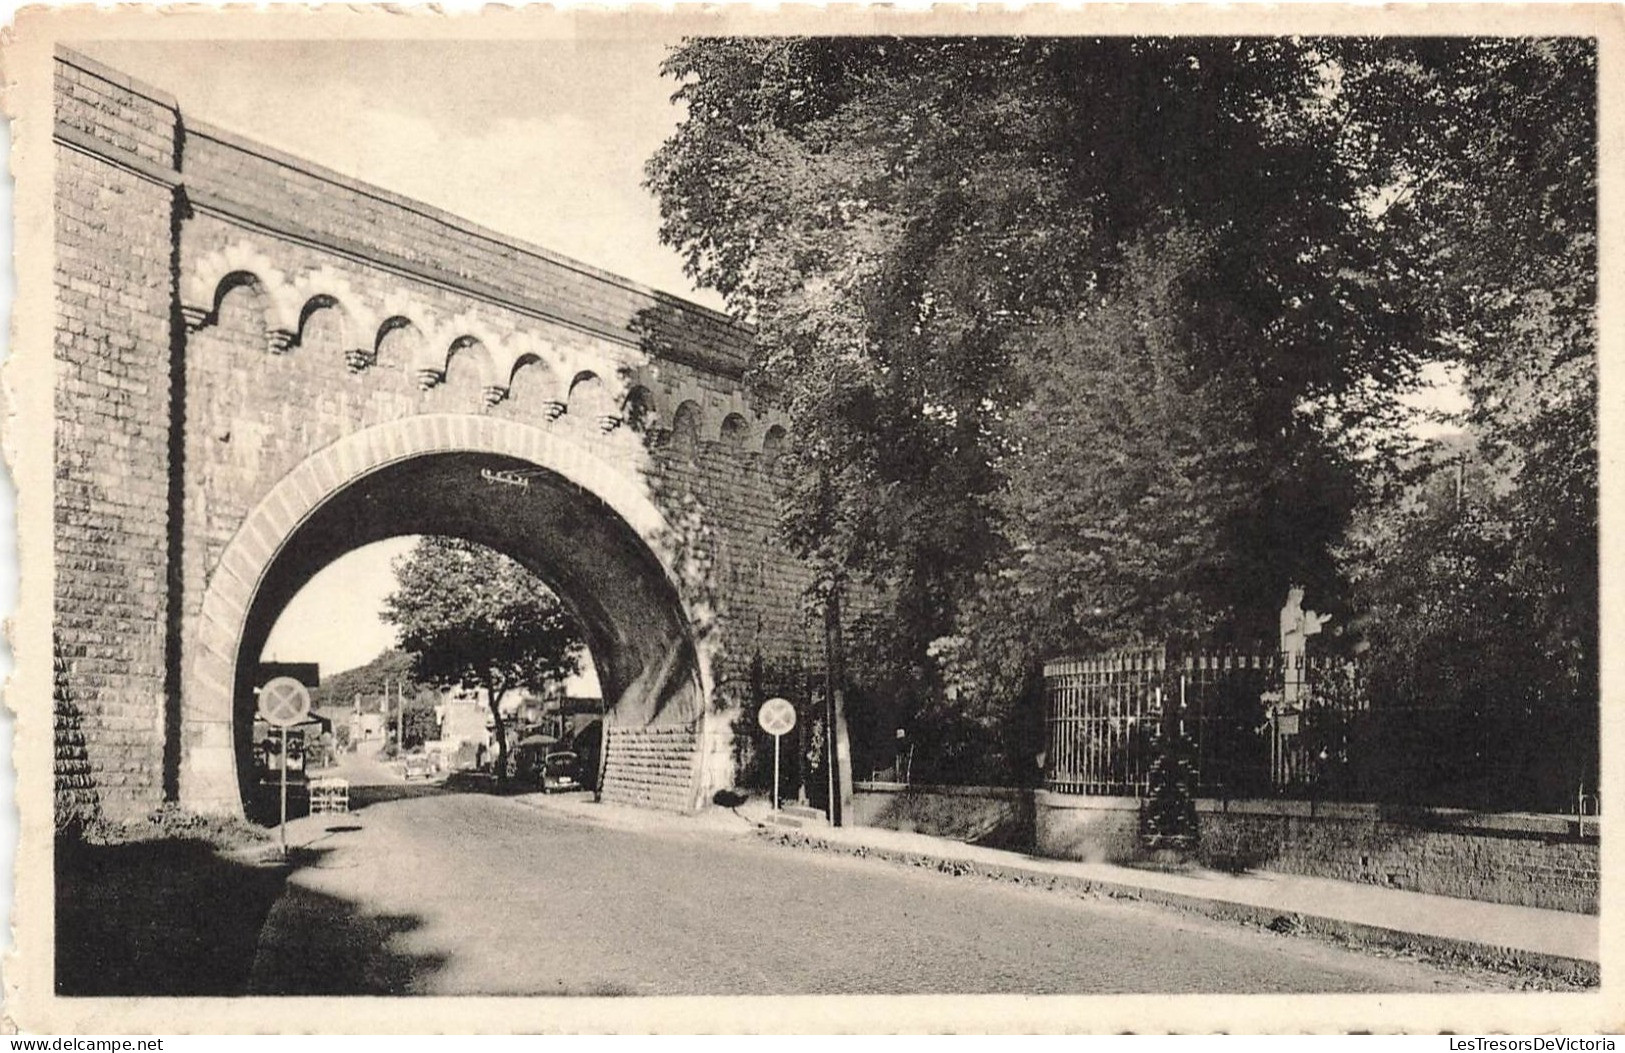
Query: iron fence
{"x": 1102, "y": 714}
{"x": 1278, "y": 725}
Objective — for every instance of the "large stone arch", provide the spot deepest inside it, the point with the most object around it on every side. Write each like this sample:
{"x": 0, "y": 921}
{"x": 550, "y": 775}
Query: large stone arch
{"x": 339, "y": 320}
{"x": 647, "y": 625}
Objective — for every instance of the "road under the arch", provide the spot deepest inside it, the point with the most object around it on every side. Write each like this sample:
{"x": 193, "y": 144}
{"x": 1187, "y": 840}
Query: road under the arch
{"x": 628, "y": 609}
{"x": 530, "y": 895}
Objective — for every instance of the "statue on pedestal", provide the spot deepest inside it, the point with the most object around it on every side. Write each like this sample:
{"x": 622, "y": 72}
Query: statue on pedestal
{"x": 1297, "y": 625}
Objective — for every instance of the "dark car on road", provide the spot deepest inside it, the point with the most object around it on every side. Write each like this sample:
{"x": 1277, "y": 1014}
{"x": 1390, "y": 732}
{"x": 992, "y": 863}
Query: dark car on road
{"x": 529, "y": 754}
{"x": 560, "y": 771}
{"x": 587, "y": 744}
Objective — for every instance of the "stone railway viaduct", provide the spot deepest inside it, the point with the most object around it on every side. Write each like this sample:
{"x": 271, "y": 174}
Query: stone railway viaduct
{"x": 262, "y": 364}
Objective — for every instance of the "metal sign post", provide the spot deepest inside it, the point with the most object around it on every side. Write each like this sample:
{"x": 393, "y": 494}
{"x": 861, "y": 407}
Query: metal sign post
{"x": 776, "y": 717}
{"x": 284, "y": 702}
{"x": 282, "y": 822}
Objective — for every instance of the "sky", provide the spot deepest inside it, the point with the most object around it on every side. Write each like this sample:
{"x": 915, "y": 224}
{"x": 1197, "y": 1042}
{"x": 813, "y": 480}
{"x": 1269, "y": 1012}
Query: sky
{"x": 542, "y": 140}
{"x": 334, "y": 619}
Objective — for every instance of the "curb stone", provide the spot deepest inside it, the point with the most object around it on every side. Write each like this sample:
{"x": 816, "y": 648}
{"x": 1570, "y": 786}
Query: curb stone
{"x": 1571, "y": 971}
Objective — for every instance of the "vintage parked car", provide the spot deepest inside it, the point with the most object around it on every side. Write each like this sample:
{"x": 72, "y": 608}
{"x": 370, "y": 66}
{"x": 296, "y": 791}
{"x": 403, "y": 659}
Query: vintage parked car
{"x": 528, "y": 756}
{"x": 587, "y": 744}
{"x": 418, "y": 766}
{"x": 560, "y": 771}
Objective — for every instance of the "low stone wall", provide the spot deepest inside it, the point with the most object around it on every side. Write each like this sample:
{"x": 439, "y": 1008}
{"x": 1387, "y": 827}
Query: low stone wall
{"x": 994, "y": 816}
{"x": 1090, "y": 829}
{"x": 1526, "y": 860}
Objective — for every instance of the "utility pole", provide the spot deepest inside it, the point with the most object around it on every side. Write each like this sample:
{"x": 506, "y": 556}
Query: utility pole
{"x": 836, "y": 746}
{"x": 836, "y": 757}
{"x": 400, "y": 716}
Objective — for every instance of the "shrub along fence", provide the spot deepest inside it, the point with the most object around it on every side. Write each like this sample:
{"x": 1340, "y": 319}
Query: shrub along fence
{"x": 1276, "y": 725}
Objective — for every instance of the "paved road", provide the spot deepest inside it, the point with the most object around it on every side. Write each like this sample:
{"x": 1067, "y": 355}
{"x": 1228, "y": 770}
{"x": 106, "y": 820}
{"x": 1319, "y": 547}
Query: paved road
{"x": 432, "y": 892}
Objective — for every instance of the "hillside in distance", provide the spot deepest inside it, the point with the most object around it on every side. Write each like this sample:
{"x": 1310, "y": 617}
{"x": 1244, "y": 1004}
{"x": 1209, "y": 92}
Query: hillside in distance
{"x": 388, "y": 671}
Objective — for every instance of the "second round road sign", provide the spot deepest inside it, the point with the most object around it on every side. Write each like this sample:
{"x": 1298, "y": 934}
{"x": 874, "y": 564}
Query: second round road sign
{"x": 777, "y": 716}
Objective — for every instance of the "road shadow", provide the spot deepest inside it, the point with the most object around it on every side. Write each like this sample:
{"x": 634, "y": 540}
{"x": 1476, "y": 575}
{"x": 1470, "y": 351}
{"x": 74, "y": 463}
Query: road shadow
{"x": 158, "y": 917}
{"x": 318, "y": 944}
{"x": 364, "y": 797}
{"x": 180, "y": 917}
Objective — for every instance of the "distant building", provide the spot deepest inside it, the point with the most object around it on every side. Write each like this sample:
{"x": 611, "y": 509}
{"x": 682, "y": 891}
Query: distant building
{"x": 464, "y": 717}
{"x": 367, "y": 727}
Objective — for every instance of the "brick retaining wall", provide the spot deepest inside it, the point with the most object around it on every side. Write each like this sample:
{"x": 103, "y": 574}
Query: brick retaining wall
{"x": 993, "y": 816}
{"x": 652, "y": 767}
{"x": 113, "y": 286}
{"x": 1532, "y": 861}
{"x": 1525, "y": 860}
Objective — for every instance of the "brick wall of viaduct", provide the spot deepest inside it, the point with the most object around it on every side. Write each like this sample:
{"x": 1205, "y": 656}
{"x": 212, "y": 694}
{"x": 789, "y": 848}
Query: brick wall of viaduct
{"x": 226, "y": 313}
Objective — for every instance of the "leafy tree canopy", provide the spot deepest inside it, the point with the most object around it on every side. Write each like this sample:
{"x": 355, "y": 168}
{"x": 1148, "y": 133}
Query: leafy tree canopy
{"x": 471, "y": 617}
{"x": 1085, "y": 340}
{"x": 921, "y": 229}
{"x": 1487, "y": 547}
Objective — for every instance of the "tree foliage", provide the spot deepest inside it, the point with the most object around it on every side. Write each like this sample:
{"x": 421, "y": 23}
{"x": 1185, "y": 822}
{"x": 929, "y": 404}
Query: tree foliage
{"x": 420, "y": 723}
{"x": 922, "y": 230}
{"x": 473, "y": 618}
{"x": 1477, "y": 571}
{"x": 1090, "y": 340}
{"x": 1134, "y": 483}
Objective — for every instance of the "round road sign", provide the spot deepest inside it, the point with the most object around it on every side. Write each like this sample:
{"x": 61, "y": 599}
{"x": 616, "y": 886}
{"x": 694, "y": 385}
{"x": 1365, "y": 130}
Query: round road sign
{"x": 777, "y": 716}
{"x": 284, "y": 701}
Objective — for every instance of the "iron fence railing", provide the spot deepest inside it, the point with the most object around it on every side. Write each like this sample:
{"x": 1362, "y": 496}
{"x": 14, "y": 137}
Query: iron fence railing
{"x": 1101, "y": 721}
{"x": 1272, "y": 724}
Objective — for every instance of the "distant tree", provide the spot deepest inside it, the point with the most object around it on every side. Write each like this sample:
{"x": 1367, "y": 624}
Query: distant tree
{"x": 419, "y": 724}
{"x": 389, "y": 673}
{"x": 473, "y": 618}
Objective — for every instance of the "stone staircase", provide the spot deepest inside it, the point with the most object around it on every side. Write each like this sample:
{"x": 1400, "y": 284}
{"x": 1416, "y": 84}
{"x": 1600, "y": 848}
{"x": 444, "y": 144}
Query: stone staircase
{"x": 795, "y": 816}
